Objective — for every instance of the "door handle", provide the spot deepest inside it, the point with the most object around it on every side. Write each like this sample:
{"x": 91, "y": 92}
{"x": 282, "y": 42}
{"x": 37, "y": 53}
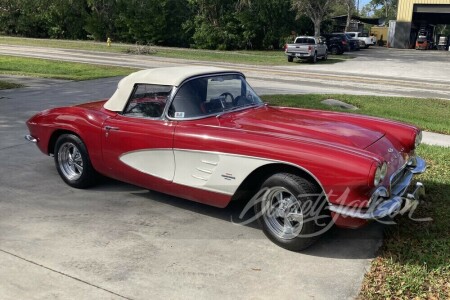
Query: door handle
{"x": 108, "y": 128}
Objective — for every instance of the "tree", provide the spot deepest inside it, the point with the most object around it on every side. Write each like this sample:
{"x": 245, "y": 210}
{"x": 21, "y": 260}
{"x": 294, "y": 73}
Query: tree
{"x": 350, "y": 8}
{"x": 268, "y": 24}
{"x": 66, "y": 19}
{"x": 214, "y": 25}
{"x": 381, "y": 9}
{"x": 316, "y": 10}
{"x": 101, "y": 18}
{"x": 24, "y": 17}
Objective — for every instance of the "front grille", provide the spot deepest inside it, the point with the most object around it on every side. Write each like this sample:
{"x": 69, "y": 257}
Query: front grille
{"x": 400, "y": 181}
{"x": 397, "y": 176}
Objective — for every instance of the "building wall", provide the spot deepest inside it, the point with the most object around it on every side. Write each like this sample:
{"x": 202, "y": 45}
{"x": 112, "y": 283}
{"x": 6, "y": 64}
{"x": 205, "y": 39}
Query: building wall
{"x": 405, "y": 8}
{"x": 402, "y": 38}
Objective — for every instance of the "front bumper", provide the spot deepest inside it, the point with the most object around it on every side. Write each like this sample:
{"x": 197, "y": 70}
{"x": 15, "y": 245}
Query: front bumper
{"x": 396, "y": 204}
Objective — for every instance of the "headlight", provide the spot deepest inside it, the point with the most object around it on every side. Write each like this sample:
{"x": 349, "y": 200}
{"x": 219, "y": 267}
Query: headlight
{"x": 383, "y": 170}
{"x": 380, "y": 173}
{"x": 418, "y": 139}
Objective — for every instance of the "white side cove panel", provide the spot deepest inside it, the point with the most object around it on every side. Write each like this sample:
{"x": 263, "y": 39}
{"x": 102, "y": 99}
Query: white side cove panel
{"x": 158, "y": 163}
{"x": 216, "y": 172}
{"x": 210, "y": 171}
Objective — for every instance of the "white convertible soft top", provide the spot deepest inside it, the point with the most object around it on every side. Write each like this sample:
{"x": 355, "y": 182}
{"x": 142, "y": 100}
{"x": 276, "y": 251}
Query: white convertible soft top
{"x": 172, "y": 76}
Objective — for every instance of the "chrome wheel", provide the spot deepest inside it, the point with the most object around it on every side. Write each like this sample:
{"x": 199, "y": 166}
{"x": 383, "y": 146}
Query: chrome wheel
{"x": 70, "y": 161}
{"x": 282, "y": 213}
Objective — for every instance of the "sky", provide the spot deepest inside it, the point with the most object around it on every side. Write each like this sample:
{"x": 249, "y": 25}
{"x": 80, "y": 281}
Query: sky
{"x": 362, "y": 3}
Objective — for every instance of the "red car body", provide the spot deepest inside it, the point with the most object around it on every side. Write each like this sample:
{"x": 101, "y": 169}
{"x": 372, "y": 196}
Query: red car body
{"x": 341, "y": 152}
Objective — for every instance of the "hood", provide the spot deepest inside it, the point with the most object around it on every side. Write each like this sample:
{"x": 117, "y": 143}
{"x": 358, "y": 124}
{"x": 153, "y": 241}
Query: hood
{"x": 392, "y": 152}
{"x": 300, "y": 123}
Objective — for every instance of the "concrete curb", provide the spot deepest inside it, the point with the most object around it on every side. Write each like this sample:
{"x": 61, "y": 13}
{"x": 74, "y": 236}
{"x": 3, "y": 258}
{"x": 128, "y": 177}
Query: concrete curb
{"x": 436, "y": 139}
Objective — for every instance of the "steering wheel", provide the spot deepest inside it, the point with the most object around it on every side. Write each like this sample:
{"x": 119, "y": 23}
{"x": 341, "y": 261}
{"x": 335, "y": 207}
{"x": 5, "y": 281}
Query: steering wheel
{"x": 225, "y": 95}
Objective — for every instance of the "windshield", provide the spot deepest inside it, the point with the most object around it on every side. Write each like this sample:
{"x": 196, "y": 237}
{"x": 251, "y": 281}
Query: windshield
{"x": 304, "y": 41}
{"x": 212, "y": 95}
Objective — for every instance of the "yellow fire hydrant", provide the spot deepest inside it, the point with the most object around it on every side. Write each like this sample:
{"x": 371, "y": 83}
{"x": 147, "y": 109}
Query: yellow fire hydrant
{"x": 108, "y": 42}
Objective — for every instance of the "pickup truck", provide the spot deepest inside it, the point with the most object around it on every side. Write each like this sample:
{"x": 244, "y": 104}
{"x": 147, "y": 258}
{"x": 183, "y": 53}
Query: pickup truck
{"x": 369, "y": 40}
{"x": 306, "y": 48}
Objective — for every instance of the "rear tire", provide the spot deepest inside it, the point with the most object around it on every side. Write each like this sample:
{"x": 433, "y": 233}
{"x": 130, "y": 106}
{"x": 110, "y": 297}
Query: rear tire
{"x": 314, "y": 58}
{"x": 73, "y": 163}
{"x": 290, "y": 59}
{"x": 281, "y": 211}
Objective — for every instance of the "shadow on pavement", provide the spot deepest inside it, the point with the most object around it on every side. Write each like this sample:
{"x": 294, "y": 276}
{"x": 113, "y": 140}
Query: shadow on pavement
{"x": 337, "y": 243}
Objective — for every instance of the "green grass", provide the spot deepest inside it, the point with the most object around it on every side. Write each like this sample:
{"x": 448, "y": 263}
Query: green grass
{"x": 57, "y": 69}
{"x": 65, "y": 44}
{"x": 414, "y": 259}
{"x": 240, "y": 57}
{"x": 428, "y": 114}
{"x": 9, "y": 85}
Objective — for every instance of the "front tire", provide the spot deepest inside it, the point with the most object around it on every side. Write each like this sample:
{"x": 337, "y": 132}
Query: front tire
{"x": 288, "y": 209}
{"x": 325, "y": 56}
{"x": 73, "y": 163}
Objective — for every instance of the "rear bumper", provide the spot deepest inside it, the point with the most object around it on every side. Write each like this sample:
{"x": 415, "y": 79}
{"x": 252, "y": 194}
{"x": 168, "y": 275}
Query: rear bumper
{"x": 300, "y": 55}
{"x": 31, "y": 138}
{"x": 383, "y": 207}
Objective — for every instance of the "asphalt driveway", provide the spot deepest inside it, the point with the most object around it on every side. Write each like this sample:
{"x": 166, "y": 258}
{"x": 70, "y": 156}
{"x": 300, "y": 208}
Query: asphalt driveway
{"x": 120, "y": 241}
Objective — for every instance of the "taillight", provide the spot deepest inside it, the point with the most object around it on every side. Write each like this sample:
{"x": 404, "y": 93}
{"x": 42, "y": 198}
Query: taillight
{"x": 309, "y": 48}
{"x": 344, "y": 42}
{"x": 285, "y": 47}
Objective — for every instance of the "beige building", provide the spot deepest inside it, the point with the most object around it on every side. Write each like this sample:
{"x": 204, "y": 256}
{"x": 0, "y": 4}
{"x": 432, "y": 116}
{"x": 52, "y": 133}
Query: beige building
{"x": 413, "y": 15}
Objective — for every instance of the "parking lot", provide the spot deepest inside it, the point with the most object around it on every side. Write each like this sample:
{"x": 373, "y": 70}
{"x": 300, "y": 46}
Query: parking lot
{"x": 382, "y": 53}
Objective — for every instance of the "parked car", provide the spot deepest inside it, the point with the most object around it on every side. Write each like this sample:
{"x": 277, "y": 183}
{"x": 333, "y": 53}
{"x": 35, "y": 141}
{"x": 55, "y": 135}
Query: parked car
{"x": 368, "y": 40}
{"x": 334, "y": 45}
{"x": 354, "y": 43}
{"x": 306, "y": 48}
{"x": 343, "y": 38}
{"x": 362, "y": 44}
{"x": 203, "y": 134}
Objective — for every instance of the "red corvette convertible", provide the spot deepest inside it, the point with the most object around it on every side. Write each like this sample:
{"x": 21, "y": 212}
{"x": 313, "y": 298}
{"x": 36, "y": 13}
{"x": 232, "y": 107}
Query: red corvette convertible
{"x": 202, "y": 133}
